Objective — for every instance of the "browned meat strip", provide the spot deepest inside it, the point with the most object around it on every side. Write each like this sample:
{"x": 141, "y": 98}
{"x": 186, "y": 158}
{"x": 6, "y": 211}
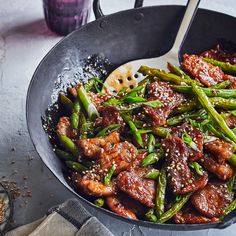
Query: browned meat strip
{"x": 221, "y": 150}
{"x": 120, "y": 154}
{"x": 94, "y": 146}
{"x": 231, "y": 121}
{"x": 203, "y": 71}
{"x": 116, "y": 205}
{"x": 136, "y": 186}
{"x": 63, "y": 128}
{"x": 212, "y": 200}
{"x": 223, "y": 171}
{"x": 197, "y": 138}
{"x": 90, "y": 185}
{"x": 181, "y": 178}
{"x": 191, "y": 216}
{"x": 109, "y": 115}
{"x": 162, "y": 91}
{"x": 219, "y": 54}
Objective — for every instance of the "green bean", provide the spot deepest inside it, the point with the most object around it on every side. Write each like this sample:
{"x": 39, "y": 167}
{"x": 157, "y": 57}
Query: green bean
{"x": 136, "y": 134}
{"x": 197, "y": 167}
{"x": 203, "y": 99}
{"x": 168, "y": 77}
{"x": 87, "y": 104}
{"x": 107, "y": 178}
{"x": 151, "y": 143}
{"x": 161, "y": 131}
{"x": 224, "y": 93}
{"x": 109, "y": 129}
{"x": 161, "y": 192}
{"x": 228, "y": 209}
{"x": 64, "y": 155}
{"x": 68, "y": 144}
{"x": 150, "y": 216}
{"x": 177, "y": 71}
{"x": 76, "y": 166}
{"x": 153, "y": 174}
{"x": 99, "y": 202}
{"x": 67, "y": 103}
{"x": 88, "y": 85}
{"x": 134, "y": 99}
{"x": 150, "y": 159}
{"x": 174, "y": 209}
{"x": 222, "y": 85}
{"x": 225, "y": 66}
{"x": 187, "y": 107}
{"x": 200, "y": 114}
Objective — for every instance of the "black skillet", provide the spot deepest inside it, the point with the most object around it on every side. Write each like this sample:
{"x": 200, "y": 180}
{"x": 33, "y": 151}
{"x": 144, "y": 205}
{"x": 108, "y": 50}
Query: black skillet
{"x": 121, "y": 37}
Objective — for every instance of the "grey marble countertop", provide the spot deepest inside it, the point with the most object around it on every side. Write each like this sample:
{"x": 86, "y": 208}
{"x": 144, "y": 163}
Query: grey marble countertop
{"x": 24, "y": 41}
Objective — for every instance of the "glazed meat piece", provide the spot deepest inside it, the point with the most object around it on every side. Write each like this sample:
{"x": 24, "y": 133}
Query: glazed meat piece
{"x": 123, "y": 205}
{"x": 220, "y": 149}
{"x": 98, "y": 98}
{"x": 94, "y": 146}
{"x": 203, "y": 71}
{"x": 181, "y": 179}
{"x": 91, "y": 184}
{"x": 219, "y": 54}
{"x": 136, "y": 186}
{"x": 109, "y": 115}
{"x": 212, "y": 200}
{"x": 63, "y": 128}
{"x": 222, "y": 170}
{"x": 231, "y": 121}
{"x": 196, "y": 136}
{"x": 191, "y": 216}
{"x": 162, "y": 91}
{"x": 120, "y": 154}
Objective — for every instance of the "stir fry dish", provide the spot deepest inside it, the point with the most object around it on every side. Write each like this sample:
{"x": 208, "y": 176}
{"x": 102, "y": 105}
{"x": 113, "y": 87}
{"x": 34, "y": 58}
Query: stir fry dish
{"x": 163, "y": 151}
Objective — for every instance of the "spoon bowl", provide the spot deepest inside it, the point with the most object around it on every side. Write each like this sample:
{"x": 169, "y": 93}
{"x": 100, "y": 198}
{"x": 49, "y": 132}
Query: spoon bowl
{"x": 127, "y": 75}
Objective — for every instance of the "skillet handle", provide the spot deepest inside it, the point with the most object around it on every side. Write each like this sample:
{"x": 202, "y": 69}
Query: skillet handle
{"x": 98, "y": 11}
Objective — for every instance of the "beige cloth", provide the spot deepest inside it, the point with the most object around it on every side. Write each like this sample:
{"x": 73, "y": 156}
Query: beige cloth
{"x": 70, "y": 219}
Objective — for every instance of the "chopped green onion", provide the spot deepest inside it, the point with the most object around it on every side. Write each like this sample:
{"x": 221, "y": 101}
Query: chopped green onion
{"x": 153, "y": 174}
{"x": 151, "y": 143}
{"x": 150, "y": 216}
{"x": 188, "y": 140}
{"x": 198, "y": 168}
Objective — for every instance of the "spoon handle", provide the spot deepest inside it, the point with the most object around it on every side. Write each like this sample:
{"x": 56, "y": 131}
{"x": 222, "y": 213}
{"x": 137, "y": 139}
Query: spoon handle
{"x": 189, "y": 14}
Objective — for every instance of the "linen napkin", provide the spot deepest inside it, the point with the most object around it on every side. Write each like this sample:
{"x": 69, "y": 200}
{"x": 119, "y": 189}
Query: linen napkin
{"x": 69, "y": 218}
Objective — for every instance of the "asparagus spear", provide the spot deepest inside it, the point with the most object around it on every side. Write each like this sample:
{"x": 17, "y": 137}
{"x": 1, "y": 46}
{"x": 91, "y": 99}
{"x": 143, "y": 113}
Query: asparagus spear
{"x": 68, "y": 144}
{"x": 76, "y": 166}
{"x": 174, "y": 209}
{"x": 107, "y": 178}
{"x": 205, "y": 102}
{"x": 64, "y": 155}
{"x": 161, "y": 192}
{"x": 224, "y": 93}
{"x": 225, "y": 66}
{"x": 67, "y": 103}
{"x": 99, "y": 202}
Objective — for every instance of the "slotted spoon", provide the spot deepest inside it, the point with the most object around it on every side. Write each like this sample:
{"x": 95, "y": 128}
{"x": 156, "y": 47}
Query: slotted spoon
{"x": 126, "y": 75}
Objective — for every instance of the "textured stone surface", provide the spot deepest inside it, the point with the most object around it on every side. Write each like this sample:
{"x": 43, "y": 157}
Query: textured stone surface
{"x": 24, "y": 41}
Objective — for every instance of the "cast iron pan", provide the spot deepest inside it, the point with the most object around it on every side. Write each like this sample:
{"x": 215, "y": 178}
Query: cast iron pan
{"x": 121, "y": 37}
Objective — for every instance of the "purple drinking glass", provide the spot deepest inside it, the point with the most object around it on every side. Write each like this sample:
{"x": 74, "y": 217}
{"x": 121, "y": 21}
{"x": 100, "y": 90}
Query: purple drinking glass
{"x": 64, "y": 16}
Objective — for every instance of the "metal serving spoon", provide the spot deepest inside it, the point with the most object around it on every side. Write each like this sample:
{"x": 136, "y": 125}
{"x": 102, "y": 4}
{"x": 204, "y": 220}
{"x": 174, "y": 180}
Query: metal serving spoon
{"x": 126, "y": 75}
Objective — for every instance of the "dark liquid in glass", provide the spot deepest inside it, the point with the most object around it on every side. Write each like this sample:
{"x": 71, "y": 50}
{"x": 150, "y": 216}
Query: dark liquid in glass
{"x": 64, "y": 16}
